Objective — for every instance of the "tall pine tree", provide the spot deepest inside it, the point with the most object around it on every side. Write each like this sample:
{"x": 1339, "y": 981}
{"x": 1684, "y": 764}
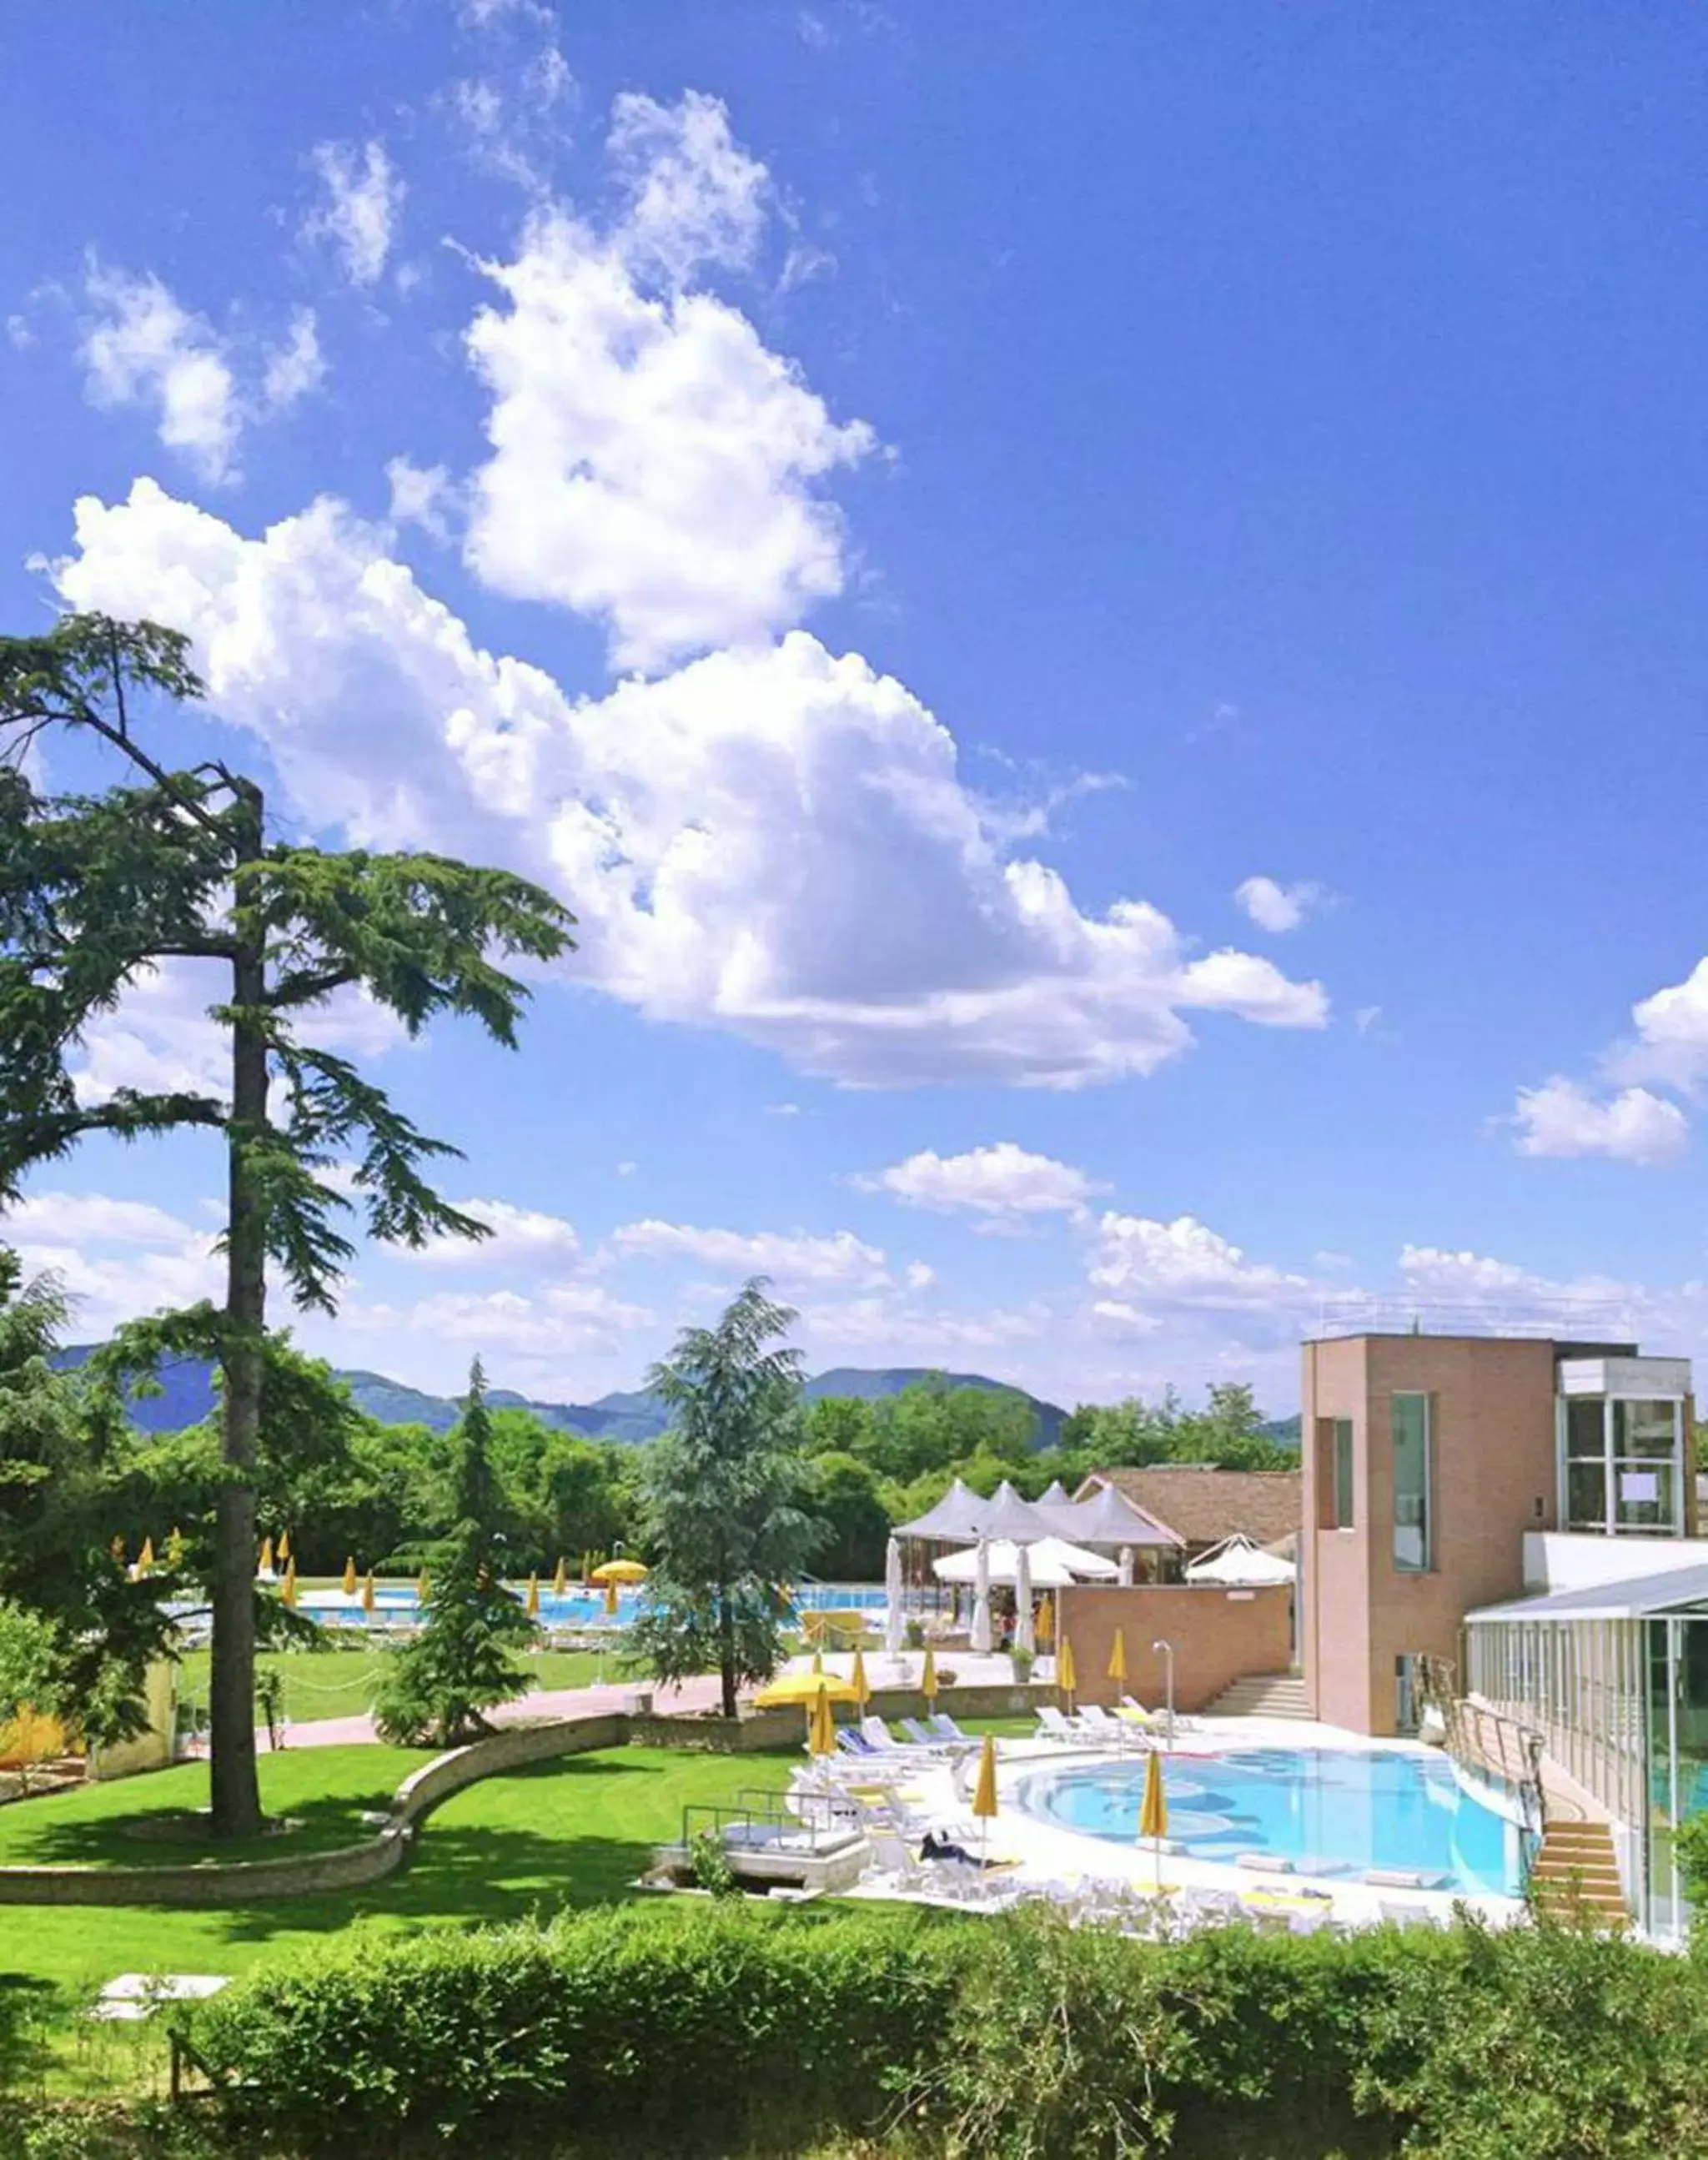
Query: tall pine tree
{"x": 177, "y": 866}
{"x": 460, "y": 1664}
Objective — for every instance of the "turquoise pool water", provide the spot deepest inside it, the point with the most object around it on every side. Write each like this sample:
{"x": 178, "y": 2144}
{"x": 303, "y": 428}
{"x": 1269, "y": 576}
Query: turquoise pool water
{"x": 575, "y": 1608}
{"x": 1331, "y": 1811}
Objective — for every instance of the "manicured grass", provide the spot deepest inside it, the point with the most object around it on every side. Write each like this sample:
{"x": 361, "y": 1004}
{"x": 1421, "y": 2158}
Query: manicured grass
{"x": 341, "y": 1683}
{"x": 325, "y": 1789}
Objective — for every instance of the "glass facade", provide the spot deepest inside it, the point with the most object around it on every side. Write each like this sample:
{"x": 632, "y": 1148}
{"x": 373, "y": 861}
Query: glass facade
{"x": 1622, "y": 1708}
{"x": 1413, "y": 1528}
{"x": 1622, "y": 1466}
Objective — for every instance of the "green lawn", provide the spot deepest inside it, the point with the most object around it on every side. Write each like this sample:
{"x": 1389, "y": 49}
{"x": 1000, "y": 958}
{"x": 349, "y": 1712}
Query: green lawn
{"x": 341, "y": 1683}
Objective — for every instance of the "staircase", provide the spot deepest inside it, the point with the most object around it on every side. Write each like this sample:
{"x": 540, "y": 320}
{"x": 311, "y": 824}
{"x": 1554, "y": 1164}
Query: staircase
{"x": 1263, "y": 1695}
{"x": 1575, "y": 1876}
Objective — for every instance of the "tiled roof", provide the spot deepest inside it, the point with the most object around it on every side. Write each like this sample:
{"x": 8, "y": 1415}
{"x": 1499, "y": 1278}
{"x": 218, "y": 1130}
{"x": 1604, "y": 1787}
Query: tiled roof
{"x": 1206, "y": 1505}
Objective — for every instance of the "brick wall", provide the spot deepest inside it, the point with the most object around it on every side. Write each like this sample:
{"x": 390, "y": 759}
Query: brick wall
{"x": 1219, "y": 1635}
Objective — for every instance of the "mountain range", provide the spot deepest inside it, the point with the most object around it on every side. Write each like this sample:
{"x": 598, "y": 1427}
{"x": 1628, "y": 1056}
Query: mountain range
{"x": 187, "y": 1396}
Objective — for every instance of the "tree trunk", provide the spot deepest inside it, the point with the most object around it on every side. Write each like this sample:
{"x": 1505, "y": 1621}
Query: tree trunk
{"x": 726, "y": 1648}
{"x": 237, "y": 1795}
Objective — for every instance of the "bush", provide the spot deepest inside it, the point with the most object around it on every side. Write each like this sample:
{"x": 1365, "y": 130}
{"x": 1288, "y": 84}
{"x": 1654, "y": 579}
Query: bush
{"x": 738, "y": 2029}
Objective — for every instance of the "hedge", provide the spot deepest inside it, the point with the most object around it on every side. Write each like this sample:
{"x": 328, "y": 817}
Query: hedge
{"x": 741, "y": 2029}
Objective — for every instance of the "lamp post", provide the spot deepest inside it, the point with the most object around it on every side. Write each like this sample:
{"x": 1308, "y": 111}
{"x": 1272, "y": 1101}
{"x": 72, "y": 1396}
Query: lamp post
{"x": 1167, "y": 1650}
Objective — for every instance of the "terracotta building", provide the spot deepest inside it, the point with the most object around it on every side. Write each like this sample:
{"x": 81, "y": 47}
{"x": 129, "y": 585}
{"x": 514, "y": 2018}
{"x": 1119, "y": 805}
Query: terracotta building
{"x": 1429, "y": 1461}
{"x": 1203, "y": 1505}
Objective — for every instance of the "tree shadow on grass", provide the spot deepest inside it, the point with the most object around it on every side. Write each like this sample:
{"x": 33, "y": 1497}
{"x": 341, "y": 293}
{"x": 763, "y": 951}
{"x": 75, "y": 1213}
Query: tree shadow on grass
{"x": 146, "y": 1838}
{"x": 27, "y": 2007}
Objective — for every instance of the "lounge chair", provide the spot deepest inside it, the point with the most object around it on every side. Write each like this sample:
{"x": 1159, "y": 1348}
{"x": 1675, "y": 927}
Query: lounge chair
{"x": 1396, "y": 1914}
{"x": 1053, "y": 1726}
{"x": 1095, "y": 1722}
{"x": 1202, "y": 1908}
{"x": 918, "y": 1736}
{"x": 945, "y": 1728}
{"x": 881, "y": 1740}
{"x": 854, "y": 1743}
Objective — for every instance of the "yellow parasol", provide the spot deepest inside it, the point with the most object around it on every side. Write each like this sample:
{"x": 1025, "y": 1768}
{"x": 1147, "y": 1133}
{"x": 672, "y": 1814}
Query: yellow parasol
{"x": 821, "y": 1734}
{"x": 1153, "y": 1814}
{"x": 984, "y": 1792}
{"x": 1117, "y": 1655}
{"x": 857, "y": 1678}
{"x": 288, "y": 1594}
{"x": 1066, "y": 1679}
{"x": 174, "y": 1548}
{"x": 610, "y": 1597}
{"x": 145, "y": 1559}
{"x": 560, "y": 1581}
{"x": 533, "y": 1598}
{"x": 284, "y": 1547}
{"x": 1046, "y": 1620}
{"x": 350, "y": 1578}
{"x": 619, "y": 1570}
{"x": 928, "y": 1675}
{"x": 266, "y": 1567}
{"x": 804, "y": 1687}
{"x": 367, "y": 1592}
{"x": 423, "y": 1588}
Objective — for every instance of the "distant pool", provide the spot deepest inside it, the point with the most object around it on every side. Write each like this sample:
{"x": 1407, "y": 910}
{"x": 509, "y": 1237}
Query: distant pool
{"x": 396, "y": 1604}
{"x": 1328, "y": 1810}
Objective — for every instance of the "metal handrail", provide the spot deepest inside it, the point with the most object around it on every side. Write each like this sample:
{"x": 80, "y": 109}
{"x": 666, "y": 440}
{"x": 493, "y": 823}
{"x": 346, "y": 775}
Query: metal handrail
{"x": 1488, "y": 1741}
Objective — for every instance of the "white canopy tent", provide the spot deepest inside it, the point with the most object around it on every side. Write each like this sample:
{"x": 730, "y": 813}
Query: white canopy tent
{"x": 1053, "y": 1563}
{"x": 1236, "y": 1560}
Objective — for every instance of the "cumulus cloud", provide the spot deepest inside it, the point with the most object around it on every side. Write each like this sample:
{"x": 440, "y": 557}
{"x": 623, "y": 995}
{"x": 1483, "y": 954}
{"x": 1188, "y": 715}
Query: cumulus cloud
{"x": 653, "y": 462}
{"x": 774, "y": 841}
{"x": 521, "y": 1238}
{"x": 788, "y": 1256}
{"x": 140, "y": 347}
{"x": 117, "y": 1259}
{"x": 1277, "y": 907}
{"x": 1153, "y": 1264}
{"x": 362, "y": 198}
{"x": 1562, "y": 1119}
{"x": 1001, "y": 1179}
{"x": 562, "y": 1320}
{"x": 422, "y": 495}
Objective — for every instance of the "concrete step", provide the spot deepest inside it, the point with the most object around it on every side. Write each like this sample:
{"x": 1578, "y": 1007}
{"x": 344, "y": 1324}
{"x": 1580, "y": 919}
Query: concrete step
{"x": 1576, "y": 1876}
{"x": 1264, "y": 1694}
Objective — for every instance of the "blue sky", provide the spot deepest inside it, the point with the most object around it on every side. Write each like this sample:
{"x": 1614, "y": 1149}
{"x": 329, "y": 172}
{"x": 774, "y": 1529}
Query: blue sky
{"x": 1099, "y": 614}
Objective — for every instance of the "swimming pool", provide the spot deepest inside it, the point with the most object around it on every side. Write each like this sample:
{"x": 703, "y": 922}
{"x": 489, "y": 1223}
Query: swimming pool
{"x": 1329, "y": 1811}
{"x": 396, "y": 1605}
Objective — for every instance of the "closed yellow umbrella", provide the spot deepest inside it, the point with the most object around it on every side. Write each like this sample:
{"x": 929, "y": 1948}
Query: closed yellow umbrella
{"x": 423, "y": 1589}
{"x": 267, "y": 1556}
{"x": 1066, "y": 1679}
{"x": 145, "y": 1559}
{"x": 621, "y": 1571}
{"x": 1153, "y": 1813}
{"x": 174, "y": 1547}
{"x": 367, "y": 1592}
{"x": 984, "y": 1792}
{"x": 1117, "y": 1655}
{"x": 533, "y": 1598}
{"x": 560, "y": 1581}
{"x": 288, "y": 1594}
{"x": 857, "y": 1678}
{"x": 284, "y": 1547}
{"x": 820, "y": 1737}
{"x": 350, "y": 1578}
{"x": 804, "y": 1687}
{"x": 1047, "y": 1621}
{"x": 928, "y": 1676}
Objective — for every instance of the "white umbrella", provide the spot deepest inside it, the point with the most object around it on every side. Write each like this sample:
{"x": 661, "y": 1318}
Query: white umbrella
{"x": 1023, "y": 1637}
{"x": 895, "y": 1619}
{"x": 1237, "y": 1560}
{"x": 1126, "y": 1577}
{"x": 1052, "y": 1564}
{"x": 979, "y": 1639}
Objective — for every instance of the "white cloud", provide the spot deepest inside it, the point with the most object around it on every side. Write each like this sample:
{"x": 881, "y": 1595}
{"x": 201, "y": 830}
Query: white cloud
{"x": 117, "y": 1259}
{"x": 1562, "y": 1119}
{"x": 1277, "y": 907}
{"x": 694, "y": 196}
{"x": 521, "y": 1238}
{"x": 363, "y": 196}
{"x": 297, "y": 367}
{"x": 1001, "y": 1179}
{"x": 421, "y": 495}
{"x": 1672, "y": 1035}
{"x": 788, "y": 1256}
{"x": 653, "y": 462}
{"x": 889, "y": 1327}
{"x": 565, "y": 1318}
{"x": 1183, "y": 1264}
{"x": 141, "y": 348}
{"x": 775, "y": 842}
{"x": 80, "y": 1218}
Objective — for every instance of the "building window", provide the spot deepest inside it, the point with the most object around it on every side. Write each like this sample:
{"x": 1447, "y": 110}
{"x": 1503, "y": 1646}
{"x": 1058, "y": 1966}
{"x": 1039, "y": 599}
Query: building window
{"x": 1622, "y": 1458}
{"x": 1413, "y": 1530}
{"x": 1342, "y": 1473}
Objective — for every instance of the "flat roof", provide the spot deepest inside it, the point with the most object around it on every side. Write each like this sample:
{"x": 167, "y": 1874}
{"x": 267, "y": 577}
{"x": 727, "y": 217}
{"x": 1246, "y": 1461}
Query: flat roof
{"x": 1630, "y": 1599}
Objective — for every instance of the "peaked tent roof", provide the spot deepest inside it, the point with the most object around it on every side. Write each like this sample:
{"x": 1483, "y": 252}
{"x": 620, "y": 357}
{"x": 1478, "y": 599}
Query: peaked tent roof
{"x": 1108, "y": 1517}
{"x": 1236, "y": 1560}
{"x": 1006, "y": 1515}
{"x": 1054, "y": 1495}
{"x": 1052, "y": 1564}
{"x": 955, "y": 1519}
